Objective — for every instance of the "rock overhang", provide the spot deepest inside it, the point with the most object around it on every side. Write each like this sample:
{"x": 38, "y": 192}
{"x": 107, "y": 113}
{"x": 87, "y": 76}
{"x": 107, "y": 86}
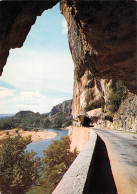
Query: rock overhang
{"x": 102, "y": 35}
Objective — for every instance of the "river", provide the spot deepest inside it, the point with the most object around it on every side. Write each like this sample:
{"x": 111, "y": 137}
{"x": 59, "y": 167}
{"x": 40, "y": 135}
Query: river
{"x": 40, "y": 146}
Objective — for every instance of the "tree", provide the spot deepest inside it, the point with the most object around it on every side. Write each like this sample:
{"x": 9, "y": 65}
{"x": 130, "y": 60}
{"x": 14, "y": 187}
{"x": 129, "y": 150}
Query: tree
{"x": 58, "y": 159}
{"x": 58, "y": 152}
{"x": 6, "y": 124}
{"x": 19, "y": 170}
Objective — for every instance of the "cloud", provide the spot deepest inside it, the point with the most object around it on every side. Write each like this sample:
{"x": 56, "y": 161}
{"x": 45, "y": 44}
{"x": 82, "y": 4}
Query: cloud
{"x": 26, "y": 100}
{"x": 36, "y": 102}
{"x": 4, "y": 92}
{"x": 30, "y": 70}
{"x": 40, "y": 80}
{"x": 30, "y": 95}
{"x": 64, "y": 26}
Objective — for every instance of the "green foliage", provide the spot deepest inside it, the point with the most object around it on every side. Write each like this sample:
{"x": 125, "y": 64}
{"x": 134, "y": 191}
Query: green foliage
{"x": 58, "y": 158}
{"x": 59, "y": 119}
{"x": 28, "y": 119}
{"x": 6, "y": 124}
{"x": 46, "y": 123}
{"x": 67, "y": 123}
{"x": 115, "y": 97}
{"x": 18, "y": 169}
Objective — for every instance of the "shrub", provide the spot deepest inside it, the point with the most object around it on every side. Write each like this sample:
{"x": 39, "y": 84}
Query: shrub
{"x": 115, "y": 96}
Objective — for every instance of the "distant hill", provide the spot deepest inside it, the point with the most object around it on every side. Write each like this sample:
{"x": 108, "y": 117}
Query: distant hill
{"x": 26, "y": 114}
{"x": 60, "y": 116}
{"x": 3, "y": 116}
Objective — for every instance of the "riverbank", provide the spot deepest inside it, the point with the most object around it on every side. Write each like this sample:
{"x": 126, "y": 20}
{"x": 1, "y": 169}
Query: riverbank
{"x": 39, "y": 135}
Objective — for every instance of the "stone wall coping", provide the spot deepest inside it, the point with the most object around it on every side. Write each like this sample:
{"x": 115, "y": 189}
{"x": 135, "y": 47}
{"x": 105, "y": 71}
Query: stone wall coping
{"x": 74, "y": 179}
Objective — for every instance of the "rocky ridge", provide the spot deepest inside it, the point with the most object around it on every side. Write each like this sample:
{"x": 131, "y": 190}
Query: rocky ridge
{"x": 28, "y": 119}
{"x": 64, "y": 107}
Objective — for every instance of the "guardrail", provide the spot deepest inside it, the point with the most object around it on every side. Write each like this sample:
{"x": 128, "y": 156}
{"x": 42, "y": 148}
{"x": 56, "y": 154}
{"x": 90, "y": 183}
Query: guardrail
{"x": 74, "y": 179}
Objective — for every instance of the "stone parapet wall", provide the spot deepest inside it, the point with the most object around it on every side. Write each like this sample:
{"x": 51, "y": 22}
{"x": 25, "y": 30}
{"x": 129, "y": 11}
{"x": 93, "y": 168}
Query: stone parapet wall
{"x": 75, "y": 178}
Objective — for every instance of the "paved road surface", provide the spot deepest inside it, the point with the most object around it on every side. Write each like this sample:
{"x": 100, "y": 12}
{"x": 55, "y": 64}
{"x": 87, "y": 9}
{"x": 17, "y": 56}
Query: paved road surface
{"x": 122, "y": 152}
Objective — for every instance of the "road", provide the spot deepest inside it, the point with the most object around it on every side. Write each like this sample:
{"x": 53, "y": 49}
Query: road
{"x": 122, "y": 152}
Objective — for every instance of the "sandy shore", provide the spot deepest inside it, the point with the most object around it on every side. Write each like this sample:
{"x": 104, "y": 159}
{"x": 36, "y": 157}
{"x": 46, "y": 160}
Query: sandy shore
{"x": 40, "y": 135}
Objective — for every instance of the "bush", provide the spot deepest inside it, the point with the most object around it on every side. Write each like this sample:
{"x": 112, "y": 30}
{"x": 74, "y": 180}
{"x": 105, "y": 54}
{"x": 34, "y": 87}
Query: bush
{"x": 115, "y": 97}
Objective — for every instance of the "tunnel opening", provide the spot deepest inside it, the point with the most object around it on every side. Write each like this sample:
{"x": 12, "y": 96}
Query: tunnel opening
{"x": 86, "y": 122}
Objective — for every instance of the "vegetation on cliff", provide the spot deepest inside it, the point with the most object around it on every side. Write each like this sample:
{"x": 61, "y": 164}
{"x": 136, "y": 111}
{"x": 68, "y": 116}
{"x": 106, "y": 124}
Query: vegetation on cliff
{"x": 115, "y": 97}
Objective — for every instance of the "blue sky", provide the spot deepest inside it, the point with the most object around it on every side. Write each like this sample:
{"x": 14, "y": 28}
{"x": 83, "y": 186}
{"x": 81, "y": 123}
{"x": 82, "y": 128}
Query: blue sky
{"x": 40, "y": 74}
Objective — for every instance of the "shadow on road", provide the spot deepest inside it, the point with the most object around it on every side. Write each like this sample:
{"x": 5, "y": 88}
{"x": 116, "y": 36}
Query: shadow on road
{"x": 100, "y": 178}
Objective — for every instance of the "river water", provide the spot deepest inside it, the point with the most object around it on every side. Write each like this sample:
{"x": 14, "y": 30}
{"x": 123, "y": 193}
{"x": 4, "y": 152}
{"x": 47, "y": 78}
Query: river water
{"x": 40, "y": 146}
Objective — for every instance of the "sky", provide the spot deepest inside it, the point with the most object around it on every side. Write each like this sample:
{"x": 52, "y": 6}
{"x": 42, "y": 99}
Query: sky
{"x": 40, "y": 74}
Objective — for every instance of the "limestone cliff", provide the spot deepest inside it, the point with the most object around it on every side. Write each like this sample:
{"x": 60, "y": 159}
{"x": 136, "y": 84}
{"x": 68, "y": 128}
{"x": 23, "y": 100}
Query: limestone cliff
{"x": 126, "y": 117}
{"x": 89, "y": 93}
{"x": 64, "y": 107}
{"x": 102, "y": 39}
